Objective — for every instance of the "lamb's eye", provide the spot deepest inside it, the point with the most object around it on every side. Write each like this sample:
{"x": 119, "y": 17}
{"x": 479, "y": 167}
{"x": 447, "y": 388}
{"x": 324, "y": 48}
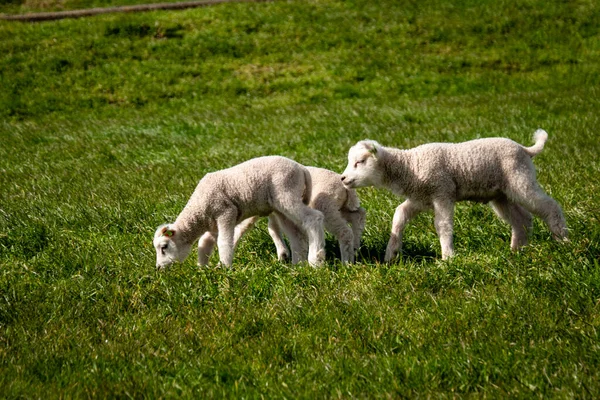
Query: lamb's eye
{"x": 358, "y": 162}
{"x": 163, "y": 248}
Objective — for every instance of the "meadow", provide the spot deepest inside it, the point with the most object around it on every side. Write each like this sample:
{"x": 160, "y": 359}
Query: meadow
{"x": 107, "y": 123}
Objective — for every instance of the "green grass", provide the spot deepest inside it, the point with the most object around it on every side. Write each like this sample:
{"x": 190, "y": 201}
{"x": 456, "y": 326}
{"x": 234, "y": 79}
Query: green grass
{"x": 107, "y": 123}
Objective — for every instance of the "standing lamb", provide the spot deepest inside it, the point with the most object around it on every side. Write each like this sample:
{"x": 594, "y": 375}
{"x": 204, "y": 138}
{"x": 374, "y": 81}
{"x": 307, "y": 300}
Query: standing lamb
{"x": 340, "y": 207}
{"x": 437, "y": 175}
{"x": 223, "y": 199}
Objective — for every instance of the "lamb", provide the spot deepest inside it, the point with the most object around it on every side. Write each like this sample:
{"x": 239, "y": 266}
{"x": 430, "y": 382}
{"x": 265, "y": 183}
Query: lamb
{"x": 263, "y": 186}
{"x": 340, "y": 207}
{"x": 436, "y": 175}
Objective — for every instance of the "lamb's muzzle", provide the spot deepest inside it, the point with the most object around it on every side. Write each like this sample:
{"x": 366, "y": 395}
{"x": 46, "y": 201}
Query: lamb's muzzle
{"x": 437, "y": 175}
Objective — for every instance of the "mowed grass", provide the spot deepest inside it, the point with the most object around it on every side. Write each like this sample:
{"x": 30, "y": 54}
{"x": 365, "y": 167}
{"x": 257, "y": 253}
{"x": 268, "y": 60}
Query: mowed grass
{"x": 107, "y": 124}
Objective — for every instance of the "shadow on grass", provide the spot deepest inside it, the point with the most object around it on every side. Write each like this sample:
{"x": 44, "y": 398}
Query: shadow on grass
{"x": 410, "y": 252}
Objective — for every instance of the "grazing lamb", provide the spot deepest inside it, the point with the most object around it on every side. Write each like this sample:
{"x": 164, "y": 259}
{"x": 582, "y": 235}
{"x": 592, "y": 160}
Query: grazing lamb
{"x": 437, "y": 175}
{"x": 340, "y": 206}
{"x": 223, "y": 199}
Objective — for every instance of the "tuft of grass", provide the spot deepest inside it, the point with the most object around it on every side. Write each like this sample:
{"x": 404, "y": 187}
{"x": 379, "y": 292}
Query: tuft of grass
{"x": 107, "y": 123}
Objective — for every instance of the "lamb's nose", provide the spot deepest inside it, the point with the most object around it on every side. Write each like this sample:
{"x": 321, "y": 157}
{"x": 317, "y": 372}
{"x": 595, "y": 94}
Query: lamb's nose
{"x": 343, "y": 178}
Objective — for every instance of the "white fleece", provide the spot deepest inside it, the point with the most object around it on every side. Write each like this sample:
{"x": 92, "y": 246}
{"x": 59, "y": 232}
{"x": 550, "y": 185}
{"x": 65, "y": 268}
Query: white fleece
{"x": 436, "y": 175}
{"x": 344, "y": 217}
{"x": 223, "y": 199}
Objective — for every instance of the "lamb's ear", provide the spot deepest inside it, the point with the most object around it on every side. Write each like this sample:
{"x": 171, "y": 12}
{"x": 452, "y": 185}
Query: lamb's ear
{"x": 167, "y": 232}
{"x": 372, "y": 147}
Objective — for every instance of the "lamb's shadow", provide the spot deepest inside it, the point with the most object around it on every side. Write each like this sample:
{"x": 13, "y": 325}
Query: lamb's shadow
{"x": 410, "y": 252}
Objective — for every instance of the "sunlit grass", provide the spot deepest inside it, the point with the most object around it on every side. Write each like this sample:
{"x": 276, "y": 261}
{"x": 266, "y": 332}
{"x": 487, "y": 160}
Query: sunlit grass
{"x": 107, "y": 123}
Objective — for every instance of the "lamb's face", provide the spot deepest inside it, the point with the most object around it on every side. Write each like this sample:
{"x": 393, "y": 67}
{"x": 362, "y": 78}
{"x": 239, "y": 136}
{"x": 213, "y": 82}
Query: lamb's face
{"x": 362, "y": 165}
{"x": 169, "y": 247}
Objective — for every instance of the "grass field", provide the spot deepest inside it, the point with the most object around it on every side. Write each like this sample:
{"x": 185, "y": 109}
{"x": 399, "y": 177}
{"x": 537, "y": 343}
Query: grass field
{"x": 107, "y": 123}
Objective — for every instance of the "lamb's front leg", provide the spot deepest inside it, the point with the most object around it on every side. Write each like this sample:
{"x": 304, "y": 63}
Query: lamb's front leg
{"x": 404, "y": 213}
{"x": 225, "y": 239}
{"x": 206, "y": 244}
{"x": 444, "y": 225}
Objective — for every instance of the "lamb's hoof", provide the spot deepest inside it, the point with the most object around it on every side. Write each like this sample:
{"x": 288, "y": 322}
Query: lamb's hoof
{"x": 318, "y": 260}
{"x": 390, "y": 256}
{"x": 517, "y": 245}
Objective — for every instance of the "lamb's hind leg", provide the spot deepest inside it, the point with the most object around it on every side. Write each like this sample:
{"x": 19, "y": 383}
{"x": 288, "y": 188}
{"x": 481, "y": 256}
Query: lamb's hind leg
{"x": 311, "y": 223}
{"x": 296, "y": 236}
{"x": 275, "y": 231}
{"x": 289, "y": 203}
{"x": 534, "y": 199}
{"x": 404, "y": 213}
{"x": 519, "y": 219}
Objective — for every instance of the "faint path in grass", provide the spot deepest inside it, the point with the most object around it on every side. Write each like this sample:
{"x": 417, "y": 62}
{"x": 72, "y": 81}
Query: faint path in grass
{"x": 48, "y": 16}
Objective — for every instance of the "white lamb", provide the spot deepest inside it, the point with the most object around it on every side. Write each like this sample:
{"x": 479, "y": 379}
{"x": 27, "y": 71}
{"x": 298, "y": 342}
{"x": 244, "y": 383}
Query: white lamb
{"x": 437, "y": 175}
{"x": 223, "y": 199}
{"x": 344, "y": 218}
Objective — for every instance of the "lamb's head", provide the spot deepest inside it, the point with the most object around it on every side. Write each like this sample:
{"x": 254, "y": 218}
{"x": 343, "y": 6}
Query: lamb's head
{"x": 363, "y": 169}
{"x": 169, "y": 246}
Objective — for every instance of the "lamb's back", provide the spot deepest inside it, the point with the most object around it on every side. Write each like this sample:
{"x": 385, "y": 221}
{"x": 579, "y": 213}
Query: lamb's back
{"x": 471, "y": 170}
{"x": 251, "y": 185}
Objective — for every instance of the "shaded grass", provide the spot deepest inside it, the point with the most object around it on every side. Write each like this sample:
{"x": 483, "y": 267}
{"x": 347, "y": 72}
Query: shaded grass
{"x": 108, "y": 123}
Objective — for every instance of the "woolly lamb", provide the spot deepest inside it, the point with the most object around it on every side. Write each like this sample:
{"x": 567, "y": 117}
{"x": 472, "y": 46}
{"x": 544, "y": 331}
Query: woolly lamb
{"x": 437, "y": 175}
{"x": 340, "y": 207}
{"x": 223, "y": 199}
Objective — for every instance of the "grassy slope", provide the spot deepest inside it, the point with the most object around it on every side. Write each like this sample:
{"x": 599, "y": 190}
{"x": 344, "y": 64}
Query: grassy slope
{"x": 108, "y": 122}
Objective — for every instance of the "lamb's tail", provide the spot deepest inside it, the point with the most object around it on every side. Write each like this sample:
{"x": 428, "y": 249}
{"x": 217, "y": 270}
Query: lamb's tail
{"x": 307, "y": 187}
{"x": 540, "y": 136}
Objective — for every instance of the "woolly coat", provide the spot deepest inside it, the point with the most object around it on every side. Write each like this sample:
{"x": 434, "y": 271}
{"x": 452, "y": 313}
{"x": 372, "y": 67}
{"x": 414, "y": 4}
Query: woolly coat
{"x": 328, "y": 188}
{"x": 478, "y": 170}
{"x": 252, "y": 188}
{"x": 436, "y": 175}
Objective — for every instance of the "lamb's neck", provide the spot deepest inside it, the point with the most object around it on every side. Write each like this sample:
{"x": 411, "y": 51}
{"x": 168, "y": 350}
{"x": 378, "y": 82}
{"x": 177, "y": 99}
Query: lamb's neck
{"x": 192, "y": 222}
{"x": 395, "y": 170}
